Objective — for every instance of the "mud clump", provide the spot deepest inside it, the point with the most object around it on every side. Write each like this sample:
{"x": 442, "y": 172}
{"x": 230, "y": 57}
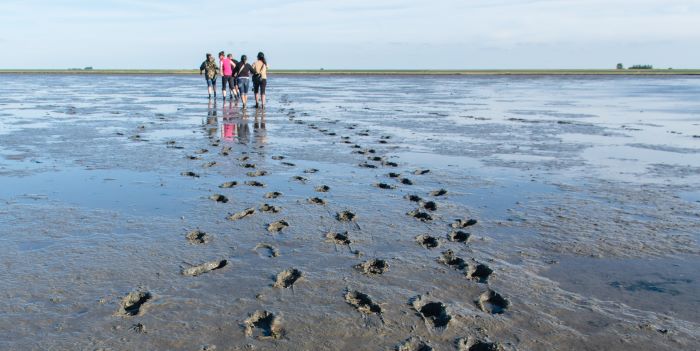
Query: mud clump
{"x": 278, "y": 158}
{"x": 276, "y": 227}
{"x": 339, "y": 238}
{"x": 413, "y": 198}
{"x": 287, "y": 278}
{"x": 367, "y": 165}
{"x": 322, "y": 188}
{"x": 345, "y": 216}
{"x": 478, "y": 271}
{"x": 316, "y": 201}
{"x": 198, "y": 237}
{"x": 240, "y": 215}
{"x": 270, "y": 208}
{"x": 271, "y": 250}
{"x": 258, "y": 173}
{"x": 362, "y": 302}
{"x": 459, "y": 236}
{"x": 190, "y": 174}
{"x": 273, "y": 195}
{"x": 254, "y": 183}
{"x": 473, "y": 344}
{"x": 210, "y": 164}
{"x": 219, "y": 198}
{"x": 422, "y": 216}
{"x": 300, "y": 179}
{"x": 131, "y": 304}
{"x": 430, "y": 206}
{"x": 463, "y": 223}
{"x": 204, "y": 268}
{"x": 390, "y": 164}
{"x": 248, "y": 165}
{"x": 193, "y": 158}
{"x": 288, "y": 164}
{"x": 450, "y": 259}
{"x": 427, "y": 241}
{"x": 440, "y": 192}
{"x": 414, "y": 344}
{"x": 228, "y": 185}
{"x": 492, "y": 302}
{"x": 384, "y": 186}
{"x": 373, "y": 266}
{"x": 433, "y": 313}
{"x": 421, "y": 171}
{"x": 263, "y": 325}
{"x": 394, "y": 175}
{"x": 310, "y": 170}
{"x": 201, "y": 151}
{"x": 406, "y": 181}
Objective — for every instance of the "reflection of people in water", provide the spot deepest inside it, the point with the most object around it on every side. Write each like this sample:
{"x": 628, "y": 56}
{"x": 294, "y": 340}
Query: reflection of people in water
{"x": 259, "y": 132}
{"x": 243, "y": 129}
{"x": 212, "y": 120}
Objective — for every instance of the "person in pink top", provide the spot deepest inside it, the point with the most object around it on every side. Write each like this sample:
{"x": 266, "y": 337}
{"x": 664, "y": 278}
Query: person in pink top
{"x": 226, "y": 72}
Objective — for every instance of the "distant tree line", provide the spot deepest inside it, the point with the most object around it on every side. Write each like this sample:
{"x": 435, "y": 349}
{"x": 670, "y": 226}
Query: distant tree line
{"x": 621, "y": 66}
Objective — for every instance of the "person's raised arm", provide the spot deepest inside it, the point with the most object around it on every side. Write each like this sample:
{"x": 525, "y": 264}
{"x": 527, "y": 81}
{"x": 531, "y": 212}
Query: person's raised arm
{"x": 201, "y": 68}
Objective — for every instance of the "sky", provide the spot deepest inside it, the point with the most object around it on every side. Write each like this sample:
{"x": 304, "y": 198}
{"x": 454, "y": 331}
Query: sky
{"x": 351, "y": 34}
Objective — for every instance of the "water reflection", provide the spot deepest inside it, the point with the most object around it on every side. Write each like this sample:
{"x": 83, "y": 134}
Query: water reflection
{"x": 212, "y": 123}
{"x": 259, "y": 131}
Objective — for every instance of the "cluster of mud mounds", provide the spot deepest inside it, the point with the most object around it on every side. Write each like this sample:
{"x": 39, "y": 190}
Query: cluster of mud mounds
{"x": 263, "y": 325}
{"x": 243, "y": 214}
{"x": 427, "y": 241}
{"x": 373, "y": 266}
{"x": 433, "y": 313}
{"x": 204, "y": 268}
{"x": 276, "y": 227}
{"x": 414, "y": 343}
{"x": 362, "y": 302}
{"x": 198, "y": 237}
{"x": 287, "y": 278}
{"x": 131, "y": 304}
{"x": 492, "y": 302}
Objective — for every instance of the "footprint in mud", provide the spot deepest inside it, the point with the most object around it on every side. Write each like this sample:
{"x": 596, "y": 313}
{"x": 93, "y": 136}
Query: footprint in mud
{"x": 427, "y": 241}
{"x": 478, "y": 271}
{"x": 269, "y": 250}
{"x": 218, "y": 198}
{"x": 394, "y": 175}
{"x": 240, "y": 215}
{"x": 258, "y": 173}
{"x": 322, "y": 189}
{"x": 440, "y": 192}
{"x": 201, "y": 151}
{"x": 345, "y": 216}
{"x": 459, "y": 236}
{"x": 433, "y": 313}
{"x": 390, "y": 164}
{"x": 226, "y": 150}
{"x": 190, "y": 174}
{"x": 413, "y": 198}
{"x": 277, "y": 158}
{"x": 228, "y": 185}
{"x": 463, "y": 223}
{"x": 270, "y": 208}
{"x": 384, "y": 186}
{"x": 422, "y": 216}
{"x": 339, "y": 238}
{"x": 474, "y": 344}
{"x": 198, "y": 237}
{"x": 373, "y": 266}
{"x": 131, "y": 304}
{"x": 310, "y": 170}
{"x": 430, "y": 205}
{"x": 300, "y": 179}
{"x": 248, "y": 165}
{"x": 193, "y": 158}
{"x": 138, "y": 328}
{"x": 276, "y": 227}
{"x": 406, "y": 181}
{"x": 204, "y": 268}
{"x": 492, "y": 302}
{"x": 316, "y": 201}
{"x": 263, "y": 325}
{"x": 362, "y": 302}
{"x": 210, "y": 164}
{"x": 367, "y": 165}
{"x": 288, "y": 164}
{"x": 421, "y": 171}
{"x": 450, "y": 259}
{"x": 287, "y": 278}
{"x": 254, "y": 183}
{"x": 273, "y": 195}
{"x": 414, "y": 344}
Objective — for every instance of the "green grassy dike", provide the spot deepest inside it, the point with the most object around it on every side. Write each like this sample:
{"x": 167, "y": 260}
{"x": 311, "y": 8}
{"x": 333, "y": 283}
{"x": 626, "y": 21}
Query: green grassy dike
{"x": 545, "y": 72}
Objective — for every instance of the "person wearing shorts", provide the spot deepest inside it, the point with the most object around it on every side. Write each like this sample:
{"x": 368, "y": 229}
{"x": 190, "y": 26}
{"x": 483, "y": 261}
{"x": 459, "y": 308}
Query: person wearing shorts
{"x": 209, "y": 69}
{"x": 226, "y": 72}
{"x": 243, "y": 71}
{"x": 260, "y": 80}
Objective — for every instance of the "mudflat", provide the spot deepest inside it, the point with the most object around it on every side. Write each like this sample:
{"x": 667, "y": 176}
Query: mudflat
{"x": 354, "y": 213}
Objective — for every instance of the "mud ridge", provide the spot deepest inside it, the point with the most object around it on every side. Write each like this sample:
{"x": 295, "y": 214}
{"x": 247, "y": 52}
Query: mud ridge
{"x": 198, "y": 237}
{"x": 450, "y": 259}
{"x": 322, "y": 188}
{"x": 362, "y": 302}
{"x": 255, "y": 183}
{"x": 263, "y": 325}
{"x": 345, "y": 216}
{"x": 270, "y": 208}
{"x": 258, "y": 173}
{"x": 243, "y": 214}
{"x": 316, "y": 201}
{"x": 422, "y": 216}
{"x": 433, "y": 313}
{"x": 228, "y": 185}
{"x": 273, "y": 195}
{"x": 373, "y": 266}
{"x": 287, "y": 278}
{"x": 218, "y": 198}
{"x": 440, "y": 192}
{"x": 131, "y": 304}
{"x": 459, "y": 236}
{"x": 339, "y": 238}
{"x": 190, "y": 174}
{"x": 478, "y": 272}
{"x": 276, "y": 227}
{"x": 204, "y": 268}
{"x": 492, "y": 302}
{"x": 463, "y": 223}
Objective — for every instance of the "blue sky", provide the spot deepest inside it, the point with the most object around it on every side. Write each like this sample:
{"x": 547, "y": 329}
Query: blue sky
{"x": 361, "y": 34}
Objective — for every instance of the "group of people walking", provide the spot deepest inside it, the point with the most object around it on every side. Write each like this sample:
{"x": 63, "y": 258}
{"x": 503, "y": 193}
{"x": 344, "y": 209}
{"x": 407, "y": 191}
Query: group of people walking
{"x": 236, "y": 77}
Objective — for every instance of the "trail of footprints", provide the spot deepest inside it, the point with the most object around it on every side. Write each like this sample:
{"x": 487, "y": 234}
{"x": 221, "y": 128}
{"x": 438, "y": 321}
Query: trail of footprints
{"x": 263, "y": 324}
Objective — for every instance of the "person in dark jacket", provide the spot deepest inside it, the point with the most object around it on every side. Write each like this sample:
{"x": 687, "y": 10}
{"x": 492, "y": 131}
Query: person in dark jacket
{"x": 209, "y": 69}
{"x": 244, "y": 70}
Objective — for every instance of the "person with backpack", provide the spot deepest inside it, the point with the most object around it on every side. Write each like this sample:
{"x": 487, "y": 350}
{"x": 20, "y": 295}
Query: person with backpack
{"x": 234, "y": 86}
{"x": 209, "y": 69}
{"x": 227, "y": 73}
{"x": 243, "y": 71}
{"x": 260, "y": 79}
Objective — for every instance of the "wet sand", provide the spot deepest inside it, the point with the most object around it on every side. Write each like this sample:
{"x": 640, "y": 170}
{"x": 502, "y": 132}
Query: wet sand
{"x": 355, "y": 213}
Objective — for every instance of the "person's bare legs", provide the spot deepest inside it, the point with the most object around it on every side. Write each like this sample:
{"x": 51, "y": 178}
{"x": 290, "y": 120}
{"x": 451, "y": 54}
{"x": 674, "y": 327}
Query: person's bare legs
{"x": 262, "y": 100}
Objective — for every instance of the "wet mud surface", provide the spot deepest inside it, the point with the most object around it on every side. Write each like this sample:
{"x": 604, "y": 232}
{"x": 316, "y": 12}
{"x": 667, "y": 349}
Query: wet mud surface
{"x": 355, "y": 213}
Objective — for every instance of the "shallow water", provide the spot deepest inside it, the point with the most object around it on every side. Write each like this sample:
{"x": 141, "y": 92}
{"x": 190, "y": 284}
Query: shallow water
{"x": 584, "y": 188}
